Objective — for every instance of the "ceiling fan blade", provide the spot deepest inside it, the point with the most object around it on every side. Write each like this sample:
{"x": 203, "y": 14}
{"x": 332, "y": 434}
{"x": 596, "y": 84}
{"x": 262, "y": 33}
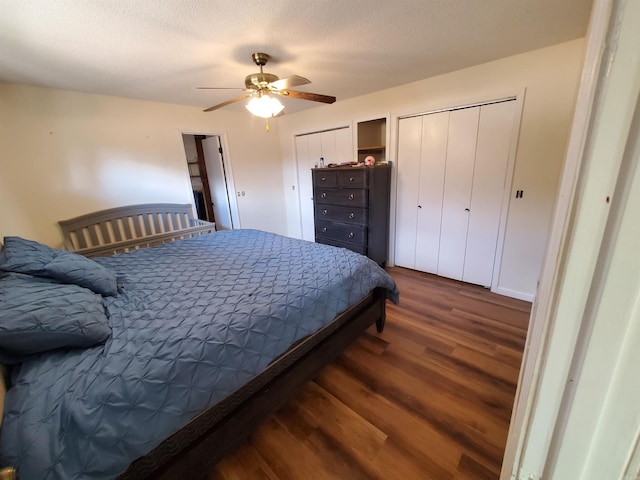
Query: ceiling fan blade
{"x": 228, "y": 102}
{"x": 219, "y": 88}
{"x": 314, "y": 97}
{"x": 292, "y": 81}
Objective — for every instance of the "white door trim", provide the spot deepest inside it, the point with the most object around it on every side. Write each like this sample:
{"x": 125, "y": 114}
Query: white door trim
{"x": 536, "y": 348}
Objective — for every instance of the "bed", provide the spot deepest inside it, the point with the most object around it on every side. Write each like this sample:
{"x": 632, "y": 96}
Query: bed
{"x": 207, "y": 335}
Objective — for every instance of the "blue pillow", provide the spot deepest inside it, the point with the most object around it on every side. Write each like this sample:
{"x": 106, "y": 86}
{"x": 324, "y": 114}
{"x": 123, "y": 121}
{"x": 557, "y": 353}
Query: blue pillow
{"x": 33, "y": 258}
{"x": 38, "y": 314}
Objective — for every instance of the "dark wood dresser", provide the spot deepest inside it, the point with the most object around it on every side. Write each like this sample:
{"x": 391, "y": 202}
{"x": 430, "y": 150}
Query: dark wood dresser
{"x": 351, "y": 207}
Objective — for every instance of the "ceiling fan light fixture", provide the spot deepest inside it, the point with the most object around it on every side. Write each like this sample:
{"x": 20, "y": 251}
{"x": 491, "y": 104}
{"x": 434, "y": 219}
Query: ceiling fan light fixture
{"x": 261, "y": 86}
{"x": 265, "y": 106}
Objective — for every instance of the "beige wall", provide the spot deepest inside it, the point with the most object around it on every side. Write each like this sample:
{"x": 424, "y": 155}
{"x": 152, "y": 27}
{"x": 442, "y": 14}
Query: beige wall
{"x": 66, "y": 153}
{"x": 550, "y": 76}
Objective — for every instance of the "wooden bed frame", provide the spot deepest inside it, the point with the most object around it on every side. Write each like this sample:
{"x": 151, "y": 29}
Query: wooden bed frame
{"x": 127, "y": 228}
{"x": 194, "y": 450}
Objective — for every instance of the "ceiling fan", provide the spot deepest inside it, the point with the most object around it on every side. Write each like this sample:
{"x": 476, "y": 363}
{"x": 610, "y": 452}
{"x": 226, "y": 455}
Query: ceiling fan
{"x": 262, "y": 87}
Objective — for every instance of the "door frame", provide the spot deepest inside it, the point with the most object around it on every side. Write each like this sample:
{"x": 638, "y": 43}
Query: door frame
{"x": 518, "y": 97}
{"x": 226, "y": 161}
{"x": 558, "y": 335}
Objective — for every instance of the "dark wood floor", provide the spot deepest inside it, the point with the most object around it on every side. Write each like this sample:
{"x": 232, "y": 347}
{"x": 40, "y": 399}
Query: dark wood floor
{"x": 429, "y": 398}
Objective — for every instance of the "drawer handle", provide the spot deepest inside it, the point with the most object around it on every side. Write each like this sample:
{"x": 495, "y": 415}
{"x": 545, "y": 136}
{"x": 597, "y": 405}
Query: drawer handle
{"x": 351, "y": 196}
{"x": 324, "y": 195}
{"x": 351, "y": 179}
{"x": 324, "y": 229}
{"x": 323, "y": 179}
{"x": 325, "y": 211}
{"x": 350, "y": 235}
{"x": 351, "y": 215}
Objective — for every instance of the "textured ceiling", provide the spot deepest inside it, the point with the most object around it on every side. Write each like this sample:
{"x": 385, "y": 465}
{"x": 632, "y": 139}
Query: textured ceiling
{"x": 161, "y": 49}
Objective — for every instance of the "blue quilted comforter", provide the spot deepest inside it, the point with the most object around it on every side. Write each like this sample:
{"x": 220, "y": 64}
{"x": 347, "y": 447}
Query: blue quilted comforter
{"x": 195, "y": 320}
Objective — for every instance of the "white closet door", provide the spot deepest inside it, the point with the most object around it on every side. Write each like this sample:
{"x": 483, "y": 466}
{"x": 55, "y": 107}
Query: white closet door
{"x": 335, "y": 146}
{"x": 315, "y": 151}
{"x": 431, "y": 184}
{"x": 492, "y": 155}
{"x": 344, "y": 146}
{"x": 305, "y": 189}
{"x": 461, "y": 149}
{"x": 328, "y": 142}
{"x": 408, "y": 183}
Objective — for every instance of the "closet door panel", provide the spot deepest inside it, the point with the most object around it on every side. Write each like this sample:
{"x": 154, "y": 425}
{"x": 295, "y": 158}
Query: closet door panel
{"x": 409, "y": 149}
{"x": 344, "y": 146}
{"x": 461, "y": 148}
{"x": 328, "y": 142}
{"x": 315, "y": 150}
{"x": 336, "y": 147}
{"x": 492, "y": 155}
{"x": 431, "y": 185}
{"x": 305, "y": 188}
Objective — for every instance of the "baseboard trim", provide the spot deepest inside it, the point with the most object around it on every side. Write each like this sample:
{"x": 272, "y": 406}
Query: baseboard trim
{"x": 527, "y": 297}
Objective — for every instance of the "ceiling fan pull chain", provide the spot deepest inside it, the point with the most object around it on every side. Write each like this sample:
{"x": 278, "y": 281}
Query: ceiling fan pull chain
{"x": 266, "y": 127}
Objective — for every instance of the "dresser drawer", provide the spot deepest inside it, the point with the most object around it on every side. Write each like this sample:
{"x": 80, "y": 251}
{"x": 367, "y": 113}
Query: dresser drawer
{"x": 325, "y": 178}
{"x": 353, "y": 178}
{"x": 341, "y": 196}
{"x": 362, "y": 249}
{"x": 342, "y": 232}
{"x": 351, "y": 209}
{"x": 357, "y": 215}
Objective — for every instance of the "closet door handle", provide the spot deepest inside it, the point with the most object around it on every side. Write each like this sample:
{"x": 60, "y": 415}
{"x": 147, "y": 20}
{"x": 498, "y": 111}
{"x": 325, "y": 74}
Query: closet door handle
{"x": 419, "y": 206}
{"x": 467, "y": 210}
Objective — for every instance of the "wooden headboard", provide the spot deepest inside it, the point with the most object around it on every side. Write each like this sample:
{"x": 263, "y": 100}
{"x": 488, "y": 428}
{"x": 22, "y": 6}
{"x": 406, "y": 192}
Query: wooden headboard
{"x": 121, "y": 229}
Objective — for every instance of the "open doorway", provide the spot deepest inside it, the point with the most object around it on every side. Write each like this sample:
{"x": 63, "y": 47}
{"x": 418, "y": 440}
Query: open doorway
{"x": 209, "y": 179}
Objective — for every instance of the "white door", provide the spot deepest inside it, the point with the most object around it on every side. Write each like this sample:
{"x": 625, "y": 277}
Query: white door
{"x": 328, "y": 147}
{"x": 217, "y": 183}
{"x": 422, "y": 154}
{"x": 335, "y": 146}
{"x": 456, "y": 200}
{"x": 489, "y": 184}
{"x": 452, "y": 177}
{"x": 435, "y": 132}
{"x": 344, "y": 146}
{"x": 305, "y": 190}
{"x": 408, "y": 188}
